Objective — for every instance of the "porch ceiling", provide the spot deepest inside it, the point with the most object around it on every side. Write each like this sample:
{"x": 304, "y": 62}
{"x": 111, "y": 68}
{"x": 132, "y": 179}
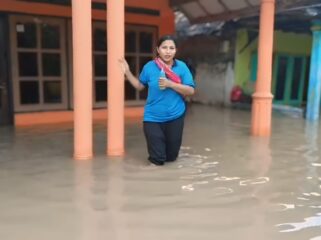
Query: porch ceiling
{"x": 201, "y": 11}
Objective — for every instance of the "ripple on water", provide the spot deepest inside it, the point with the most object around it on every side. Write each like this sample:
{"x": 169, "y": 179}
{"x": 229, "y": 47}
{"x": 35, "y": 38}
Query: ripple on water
{"x": 259, "y": 180}
{"x": 316, "y": 238}
{"x": 310, "y": 222}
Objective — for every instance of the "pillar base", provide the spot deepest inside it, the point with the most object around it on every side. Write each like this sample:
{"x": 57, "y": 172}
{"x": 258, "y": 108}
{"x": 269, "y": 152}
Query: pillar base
{"x": 83, "y": 156}
{"x": 116, "y": 152}
{"x": 261, "y": 114}
{"x": 312, "y": 117}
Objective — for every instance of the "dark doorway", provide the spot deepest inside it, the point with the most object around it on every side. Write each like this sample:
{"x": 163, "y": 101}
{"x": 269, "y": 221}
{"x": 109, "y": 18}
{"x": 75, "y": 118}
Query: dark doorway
{"x": 6, "y": 116}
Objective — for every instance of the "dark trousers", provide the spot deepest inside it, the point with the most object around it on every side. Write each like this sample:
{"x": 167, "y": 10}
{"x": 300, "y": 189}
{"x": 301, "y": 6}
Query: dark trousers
{"x": 164, "y": 140}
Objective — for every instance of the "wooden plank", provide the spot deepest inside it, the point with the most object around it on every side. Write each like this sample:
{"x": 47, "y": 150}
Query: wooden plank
{"x": 247, "y": 12}
{"x": 177, "y": 3}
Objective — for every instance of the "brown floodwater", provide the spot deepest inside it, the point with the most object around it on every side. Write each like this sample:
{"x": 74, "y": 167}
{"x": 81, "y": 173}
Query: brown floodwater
{"x": 225, "y": 185}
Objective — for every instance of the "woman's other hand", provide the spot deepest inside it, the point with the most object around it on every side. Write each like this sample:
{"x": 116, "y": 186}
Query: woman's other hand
{"x": 164, "y": 83}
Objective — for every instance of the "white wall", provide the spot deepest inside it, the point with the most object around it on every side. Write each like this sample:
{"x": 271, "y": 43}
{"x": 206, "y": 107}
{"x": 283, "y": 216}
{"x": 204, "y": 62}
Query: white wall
{"x": 214, "y": 83}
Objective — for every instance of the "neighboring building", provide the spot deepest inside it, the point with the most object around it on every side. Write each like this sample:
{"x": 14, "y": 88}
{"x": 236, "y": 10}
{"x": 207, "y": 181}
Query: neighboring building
{"x": 36, "y": 55}
{"x": 220, "y": 58}
{"x": 291, "y": 63}
{"x": 230, "y": 50}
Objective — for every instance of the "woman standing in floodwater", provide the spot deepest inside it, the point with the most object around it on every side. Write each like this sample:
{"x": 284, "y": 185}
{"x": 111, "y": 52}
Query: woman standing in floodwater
{"x": 168, "y": 80}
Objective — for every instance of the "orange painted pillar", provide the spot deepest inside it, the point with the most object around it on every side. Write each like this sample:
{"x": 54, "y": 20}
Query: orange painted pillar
{"x": 82, "y": 74}
{"x": 262, "y": 98}
{"x": 115, "y": 51}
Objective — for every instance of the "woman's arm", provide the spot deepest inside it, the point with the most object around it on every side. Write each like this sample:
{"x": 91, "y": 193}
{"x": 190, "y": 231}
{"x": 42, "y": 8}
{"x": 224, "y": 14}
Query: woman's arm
{"x": 185, "y": 90}
{"x": 131, "y": 78}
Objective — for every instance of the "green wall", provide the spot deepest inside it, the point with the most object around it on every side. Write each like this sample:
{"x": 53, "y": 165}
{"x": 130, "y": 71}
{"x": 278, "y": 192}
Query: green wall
{"x": 291, "y": 43}
{"x": 287, "y": 43}
{"x": 243, "y": 53}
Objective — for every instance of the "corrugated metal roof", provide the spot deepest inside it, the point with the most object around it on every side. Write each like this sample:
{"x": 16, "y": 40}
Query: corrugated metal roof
{"x": 201, "y": 11}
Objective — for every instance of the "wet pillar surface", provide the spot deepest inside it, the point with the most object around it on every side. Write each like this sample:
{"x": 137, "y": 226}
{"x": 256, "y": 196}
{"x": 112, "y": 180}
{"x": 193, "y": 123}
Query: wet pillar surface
{"x": 313, "y": 106}
{"x": 262, "y": 98}
{"x": 115, "y": 46}
{"x": 82, "y": 77}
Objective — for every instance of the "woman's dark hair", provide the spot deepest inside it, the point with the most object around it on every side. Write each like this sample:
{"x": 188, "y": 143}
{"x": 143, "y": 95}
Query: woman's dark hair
{"x": 165, "y": 38}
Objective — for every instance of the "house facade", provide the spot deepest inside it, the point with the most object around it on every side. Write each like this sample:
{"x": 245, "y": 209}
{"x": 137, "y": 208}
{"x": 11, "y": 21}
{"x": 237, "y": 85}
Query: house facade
{"x": 36, "y": 77}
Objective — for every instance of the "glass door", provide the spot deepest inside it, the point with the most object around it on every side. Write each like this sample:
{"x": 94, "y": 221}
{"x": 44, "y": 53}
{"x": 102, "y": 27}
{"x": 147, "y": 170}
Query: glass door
{"x": 297, "y": 84}
{"x": 288, "y": 79}
{"x": 39, "y": 63}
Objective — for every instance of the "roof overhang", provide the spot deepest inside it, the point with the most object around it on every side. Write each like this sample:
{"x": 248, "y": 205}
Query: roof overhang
{"x": 202, "y": 11}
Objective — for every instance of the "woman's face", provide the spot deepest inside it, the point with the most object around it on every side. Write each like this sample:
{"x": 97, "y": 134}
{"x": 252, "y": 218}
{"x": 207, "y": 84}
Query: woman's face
{"x": 167, "y": 51}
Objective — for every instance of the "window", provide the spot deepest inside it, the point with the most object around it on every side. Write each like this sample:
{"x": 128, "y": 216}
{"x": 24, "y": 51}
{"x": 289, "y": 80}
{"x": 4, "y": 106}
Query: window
{"x": 140, "y": 43}
{"x": 40, "y": 81}
{"x": 139, "y": 49}
{"x": 99, "y": 64}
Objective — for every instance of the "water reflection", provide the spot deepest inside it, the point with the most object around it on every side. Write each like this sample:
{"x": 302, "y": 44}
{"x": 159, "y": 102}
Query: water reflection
{"x": 99, "y": 199}
{"x": 260, "y": 161}
{"x": 117, "y": 219}
{"x": 312, "y": 152}
{"x": 88, "y": 217}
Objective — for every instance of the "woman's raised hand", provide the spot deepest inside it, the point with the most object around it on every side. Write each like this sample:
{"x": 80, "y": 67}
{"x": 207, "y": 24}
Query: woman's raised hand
{"x": 124, "y": 66}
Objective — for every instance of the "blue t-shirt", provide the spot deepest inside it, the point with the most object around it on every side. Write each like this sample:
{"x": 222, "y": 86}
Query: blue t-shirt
{"x": 164, "y": 105}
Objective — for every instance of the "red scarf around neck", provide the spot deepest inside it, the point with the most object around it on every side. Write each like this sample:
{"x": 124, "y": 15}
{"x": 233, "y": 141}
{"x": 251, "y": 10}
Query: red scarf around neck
{"x": 168, "y": 71}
